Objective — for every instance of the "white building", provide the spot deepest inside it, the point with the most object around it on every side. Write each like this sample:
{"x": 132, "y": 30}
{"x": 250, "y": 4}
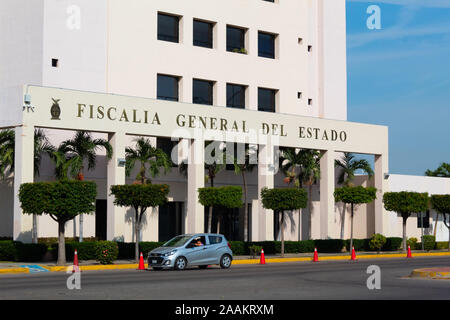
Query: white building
{"x": 290, "y": 66}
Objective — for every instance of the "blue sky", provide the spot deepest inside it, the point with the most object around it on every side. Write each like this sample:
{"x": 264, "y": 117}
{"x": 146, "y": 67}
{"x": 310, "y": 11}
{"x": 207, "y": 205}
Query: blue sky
{"x": 399, "y": 76}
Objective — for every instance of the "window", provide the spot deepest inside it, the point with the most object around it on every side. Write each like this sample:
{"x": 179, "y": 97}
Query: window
{"x": 269, "y": 0}
{"x": 423, "y": 219}
{"x": 266, "y": 45}
{"x": 236, "y": 39}
{"x": 55, "y": 63}
{"x": 167, "y": 87}
{"x": 202, "y": 92}
{"x": 266, "y": 100}
{"x": 214, "y": 239}
{"x": 168, "y": 27}
{"x": 235, "y": 96}
{"x": 203, "y": 34}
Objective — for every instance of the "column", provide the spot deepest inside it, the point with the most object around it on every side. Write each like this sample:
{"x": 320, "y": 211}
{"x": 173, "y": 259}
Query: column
{"x": 265, "y": 180}
{"x": 327, "y": 183}
{"x": 381, "y": 183}
{"x": 195, "y": 216}
{"x": 115, "y": 220}
{"x": 23, "y": 173}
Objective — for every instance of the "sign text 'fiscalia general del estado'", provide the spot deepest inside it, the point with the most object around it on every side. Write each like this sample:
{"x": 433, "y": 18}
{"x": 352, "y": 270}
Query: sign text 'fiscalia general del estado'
{"x": 190, "y": 121}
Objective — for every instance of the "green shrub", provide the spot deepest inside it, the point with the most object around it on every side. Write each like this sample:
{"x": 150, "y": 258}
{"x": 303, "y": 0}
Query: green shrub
{"x": 238, "y": 248}
{"x": 329, "y": 245}
{"x": 126, "y": 249}
{"x": 441, "y": 245}
{"x": 377, "y": 242}
{"x": 359, "y": 244}
{"x": 429, "y": 242}
{"x": 255, "y": 250}
{"x": 412, "y": 242}
{"x": 146, "y": 247}
{"x": 106, "y": 252}
{"x": 7, "y": 250}
{"x": 392, "y": 244}
{"x": 29, "y": 252}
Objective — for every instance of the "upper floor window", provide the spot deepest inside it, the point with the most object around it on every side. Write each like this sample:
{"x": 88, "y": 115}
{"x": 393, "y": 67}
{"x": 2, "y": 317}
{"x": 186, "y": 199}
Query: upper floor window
{"x": 266, "y": 99}
{"x": 167, "y": 87}
{"x": 168, "y": 27}
{"x": 235, "y": 96}
{"x": 236, "y": 39}
{"x": 202, "y": 92}
{"x": 266, "y": 45}
{"x": 203, "y": 34}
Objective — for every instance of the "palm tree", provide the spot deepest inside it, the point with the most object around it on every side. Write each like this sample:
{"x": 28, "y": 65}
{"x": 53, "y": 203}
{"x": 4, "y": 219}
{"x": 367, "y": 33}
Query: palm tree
{"x": 442, "y": 171}
{"x": 146, "y": 154}
{"x": 212, "y": 170}
{"x": 303, "y": 167}
{"x": 242, "y": 169}
{"x": 349, "y": 165}
{"x": 7, "y": 154}
{"x": 80, "y": 148}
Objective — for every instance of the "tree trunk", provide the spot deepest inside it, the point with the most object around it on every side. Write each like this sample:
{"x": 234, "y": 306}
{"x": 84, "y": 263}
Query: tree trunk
{"x": 310, "y": 212}
{"x": 81, "y": 228}
{"x": 61, "y": 244}
{"x": 351, "y": 229}
{"x": 246, "y": 238}
{"x": 35, "y": 237}
{"x": 404, "y": 233}
{"x": 218, "y": 223}
{"x": 282, "y": 234}
{"x": 137, "y": 238}
{"x": 344, "y": 208}
{"x": 210, "y": 212}
{"x": 435, "y": 224}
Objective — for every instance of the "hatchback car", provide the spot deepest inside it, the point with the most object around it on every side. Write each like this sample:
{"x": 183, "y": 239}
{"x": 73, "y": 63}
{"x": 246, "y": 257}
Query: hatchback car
{"x": 200, "y": 250}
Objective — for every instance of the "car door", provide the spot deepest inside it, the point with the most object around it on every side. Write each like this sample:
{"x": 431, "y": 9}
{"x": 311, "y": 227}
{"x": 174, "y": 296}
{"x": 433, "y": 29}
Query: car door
{"x": 212, "y": 254}
{"x": 196, "y": 255}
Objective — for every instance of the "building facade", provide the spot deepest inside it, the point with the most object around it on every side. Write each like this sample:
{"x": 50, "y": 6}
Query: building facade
{"x": 268, "y": 65}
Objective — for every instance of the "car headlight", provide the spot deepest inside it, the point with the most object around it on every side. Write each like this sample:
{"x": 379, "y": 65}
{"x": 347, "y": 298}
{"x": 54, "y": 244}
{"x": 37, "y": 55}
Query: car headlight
{"x": 169, "y": 253}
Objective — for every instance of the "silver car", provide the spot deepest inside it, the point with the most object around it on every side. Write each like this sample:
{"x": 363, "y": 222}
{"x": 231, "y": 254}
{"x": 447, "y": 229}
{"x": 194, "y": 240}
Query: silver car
{"x": 185, "y": 250}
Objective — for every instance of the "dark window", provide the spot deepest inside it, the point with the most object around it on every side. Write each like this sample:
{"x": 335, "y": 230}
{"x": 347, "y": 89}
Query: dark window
{"x": 266, "y": 100}
{"x": 235, "y": 39}
{"x": 168, "y": 27}
{"x": 266, "y": 45}
{"x": 167, "y": 88}
{"x": 55, "y": 63}
{"x": 269, "y": 0}
{"x": 202, "y": 92}
{"x": 167, "y": 145}
{"x": 214, "y": 239}
{"x": 235, "y": 96}
{"x": 203, "y": 34}
{"x": 423, "y": 219}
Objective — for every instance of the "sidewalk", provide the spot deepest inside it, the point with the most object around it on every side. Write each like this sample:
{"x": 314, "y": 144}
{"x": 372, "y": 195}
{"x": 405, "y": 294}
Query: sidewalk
{"x": 30, "y": 267}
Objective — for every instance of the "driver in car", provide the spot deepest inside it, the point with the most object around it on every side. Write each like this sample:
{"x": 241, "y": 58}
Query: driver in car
{"x": 198, "y": 243}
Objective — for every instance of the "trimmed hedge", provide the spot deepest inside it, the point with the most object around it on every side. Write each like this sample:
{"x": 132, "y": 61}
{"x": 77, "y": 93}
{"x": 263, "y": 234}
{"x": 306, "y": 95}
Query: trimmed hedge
{"x": 7, "y": 250}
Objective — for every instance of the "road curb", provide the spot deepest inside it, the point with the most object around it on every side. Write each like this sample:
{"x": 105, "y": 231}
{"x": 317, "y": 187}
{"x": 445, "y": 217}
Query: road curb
{"x": 431, "y": 273}
{"x": 235, "y": 262}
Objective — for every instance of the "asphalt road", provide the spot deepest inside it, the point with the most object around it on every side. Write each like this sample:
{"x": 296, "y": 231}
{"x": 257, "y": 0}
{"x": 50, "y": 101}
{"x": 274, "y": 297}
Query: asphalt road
{"x": 284, "y": 281}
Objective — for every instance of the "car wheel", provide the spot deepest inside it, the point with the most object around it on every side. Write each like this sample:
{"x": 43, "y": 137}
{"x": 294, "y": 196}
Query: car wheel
{"x": 180, "y": 263}
{"x": 203, "y": 267}
{"x": 225, "y": 261}
{"x": 157, "y": 268}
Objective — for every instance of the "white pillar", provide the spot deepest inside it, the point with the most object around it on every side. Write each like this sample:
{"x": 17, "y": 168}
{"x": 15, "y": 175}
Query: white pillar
{"x": 195, "y": 216}
{"x": 265, "y": 180}
{"x": 381, "y": 168}
{"x": 23, "y": 173}
{"x": 327, "y": 227}
{"x": 115, "y": 220}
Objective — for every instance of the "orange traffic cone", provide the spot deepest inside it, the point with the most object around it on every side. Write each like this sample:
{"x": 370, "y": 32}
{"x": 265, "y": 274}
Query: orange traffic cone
{"x": 409, "y": 255}
{"x": 76, "y": 267}
{"x": 262, "y": 259}
{"x": 141, "y": 263}
{"x": 353, "y": 254}
{"x": 316, "y": 257}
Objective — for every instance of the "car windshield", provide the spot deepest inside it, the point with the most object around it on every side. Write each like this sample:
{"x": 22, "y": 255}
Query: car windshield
{"x": 178, "y": 241}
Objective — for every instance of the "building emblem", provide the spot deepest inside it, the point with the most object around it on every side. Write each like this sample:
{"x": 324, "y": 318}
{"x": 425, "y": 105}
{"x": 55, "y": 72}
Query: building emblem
{"x": 55, "y": 110}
